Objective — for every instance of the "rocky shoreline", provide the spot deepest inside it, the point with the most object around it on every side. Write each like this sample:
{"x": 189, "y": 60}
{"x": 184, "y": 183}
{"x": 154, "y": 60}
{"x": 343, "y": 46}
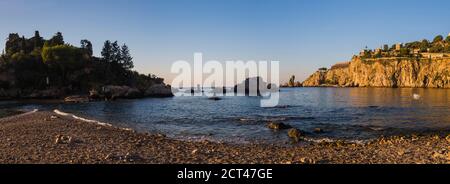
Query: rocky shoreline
{"x": 48, "y": 137}
{"x": 108, "y": 92}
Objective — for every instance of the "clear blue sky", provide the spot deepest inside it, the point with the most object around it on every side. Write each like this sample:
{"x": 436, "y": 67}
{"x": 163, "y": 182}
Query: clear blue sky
{"x": 302, "y": 35}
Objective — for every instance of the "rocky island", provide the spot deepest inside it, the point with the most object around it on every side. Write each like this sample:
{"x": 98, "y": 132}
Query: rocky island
{"x": 38, "y": 68}
{"x": 421, "y": 64}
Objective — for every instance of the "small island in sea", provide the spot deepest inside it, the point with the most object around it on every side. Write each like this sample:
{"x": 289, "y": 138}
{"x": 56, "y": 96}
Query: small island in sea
{"x": 36, "y": 68}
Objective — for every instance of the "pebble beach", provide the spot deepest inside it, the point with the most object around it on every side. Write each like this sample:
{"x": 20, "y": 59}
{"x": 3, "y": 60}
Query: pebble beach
{"x": 47, "y": 137}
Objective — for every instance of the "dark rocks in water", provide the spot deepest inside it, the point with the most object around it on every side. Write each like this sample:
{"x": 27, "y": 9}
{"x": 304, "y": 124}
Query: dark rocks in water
{"x": 258, "y": 87}
{"x": 77, "y": 99}
{"x": 295, "y": 134}
{"x": 51, "y": 93}
{"x": 318, "y": 130}
{"x": 159, "y": 90}
{"x": 133, "y": 93}
{"x": 115, "y": 92}
{"x": 215, "y": 98}
{"x": 94, "y": 94}
{"x": 282, "y": 106}
{"x": 9, "y": 93}
{"x": 108, "y": 92}
{"x": 278, "y": 126}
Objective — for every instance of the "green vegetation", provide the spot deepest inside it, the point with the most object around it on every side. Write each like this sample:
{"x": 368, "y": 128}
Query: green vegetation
{"x": 38, "y": 64}
{"x": 439, "y": 45}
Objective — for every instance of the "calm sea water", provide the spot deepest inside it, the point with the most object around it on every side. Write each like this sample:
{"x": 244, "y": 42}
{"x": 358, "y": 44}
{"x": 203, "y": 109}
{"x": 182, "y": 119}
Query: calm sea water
{"x": 344, "y": 113}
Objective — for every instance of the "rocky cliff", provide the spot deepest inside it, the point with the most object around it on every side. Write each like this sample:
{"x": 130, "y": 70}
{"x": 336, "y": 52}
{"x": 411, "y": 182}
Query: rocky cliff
{"x": 392, "y": 72}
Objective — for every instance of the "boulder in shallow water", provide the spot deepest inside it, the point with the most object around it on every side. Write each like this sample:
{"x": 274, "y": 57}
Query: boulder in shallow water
{"x": 318, "y": 130}
{"x": 9, "y": 93}
{"x": 278, "y": 126}
{"x": 215, "y": 98}
{"x": 133, "y": 93}
{"x": 295, "y": 134}
{"x": 76, "y": 99}
{"x": 113, "y": 92}
{"x": 94, "y": 94}
{"x": 159, "y": 90}
{"x": 46, "y": 94}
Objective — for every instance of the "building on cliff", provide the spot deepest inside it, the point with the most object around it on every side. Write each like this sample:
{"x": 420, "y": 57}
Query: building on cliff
{"x": 433, "y": 55}
{"x": 398, "y": 72}
{"x": 398, "y": 46}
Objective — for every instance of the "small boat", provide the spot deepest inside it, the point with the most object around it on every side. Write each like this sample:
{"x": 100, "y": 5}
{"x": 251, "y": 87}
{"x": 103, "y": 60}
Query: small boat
{"x": 416, "y": 96}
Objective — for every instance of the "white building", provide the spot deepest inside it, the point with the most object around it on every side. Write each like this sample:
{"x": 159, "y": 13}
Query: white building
{"x": 398, "y": 46}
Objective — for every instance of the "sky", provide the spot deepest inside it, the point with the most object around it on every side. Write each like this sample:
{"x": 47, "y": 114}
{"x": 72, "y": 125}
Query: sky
{"x": 303, "y": 35}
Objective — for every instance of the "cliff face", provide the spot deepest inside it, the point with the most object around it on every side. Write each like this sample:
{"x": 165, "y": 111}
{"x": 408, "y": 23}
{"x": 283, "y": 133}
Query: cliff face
{"x": 431, "y": 73}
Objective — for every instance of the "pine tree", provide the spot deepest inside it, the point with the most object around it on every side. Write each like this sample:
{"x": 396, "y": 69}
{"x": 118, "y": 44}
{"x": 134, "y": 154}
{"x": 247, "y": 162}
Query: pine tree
{"x": 116, "y": 55}
{"x": 127, "y": 60}
{"x": 107, "y": 51}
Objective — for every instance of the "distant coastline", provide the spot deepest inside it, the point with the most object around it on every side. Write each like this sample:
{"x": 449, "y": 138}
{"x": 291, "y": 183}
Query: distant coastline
{"x": 419, "y": 64}
{"x": 402, "y": 73}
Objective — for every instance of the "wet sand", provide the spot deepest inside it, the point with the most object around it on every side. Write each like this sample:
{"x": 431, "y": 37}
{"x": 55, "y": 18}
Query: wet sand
{"x": 47, "y": 137}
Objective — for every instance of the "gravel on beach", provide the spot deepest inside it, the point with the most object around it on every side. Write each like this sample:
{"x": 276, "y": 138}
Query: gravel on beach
{"x": 46, "y": 137}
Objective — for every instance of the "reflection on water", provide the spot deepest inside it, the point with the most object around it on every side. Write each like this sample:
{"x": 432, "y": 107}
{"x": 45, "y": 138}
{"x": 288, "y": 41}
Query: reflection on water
{"x": 349, "y": 113}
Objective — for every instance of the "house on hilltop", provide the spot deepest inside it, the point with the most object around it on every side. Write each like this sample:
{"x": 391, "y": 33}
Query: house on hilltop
{"x": 432, "y": 55}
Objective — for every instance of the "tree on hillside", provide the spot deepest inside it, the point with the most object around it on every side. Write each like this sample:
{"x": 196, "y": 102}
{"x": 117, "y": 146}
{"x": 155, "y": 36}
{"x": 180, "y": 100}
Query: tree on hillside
{"x": 447, "y": 39}
{"x": 127, "y": 60}
{"x": 62, "y": 53}
{"x": 424, "y": 45}
{"x": 12, "y": 43}
{"x": 405, "y": 52}
{"x": 437, "y": 49}
{"x": 438, "y": 39}
{"x": 116, "y": 55}
{"x": 57, "y": 39}
{"x": 63, "y": 62}
{"x": 86, "y": 45}
{"x": 118, "y": 62}
{"x": 107, "y": 51}
{"x": 385, "y": 48}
